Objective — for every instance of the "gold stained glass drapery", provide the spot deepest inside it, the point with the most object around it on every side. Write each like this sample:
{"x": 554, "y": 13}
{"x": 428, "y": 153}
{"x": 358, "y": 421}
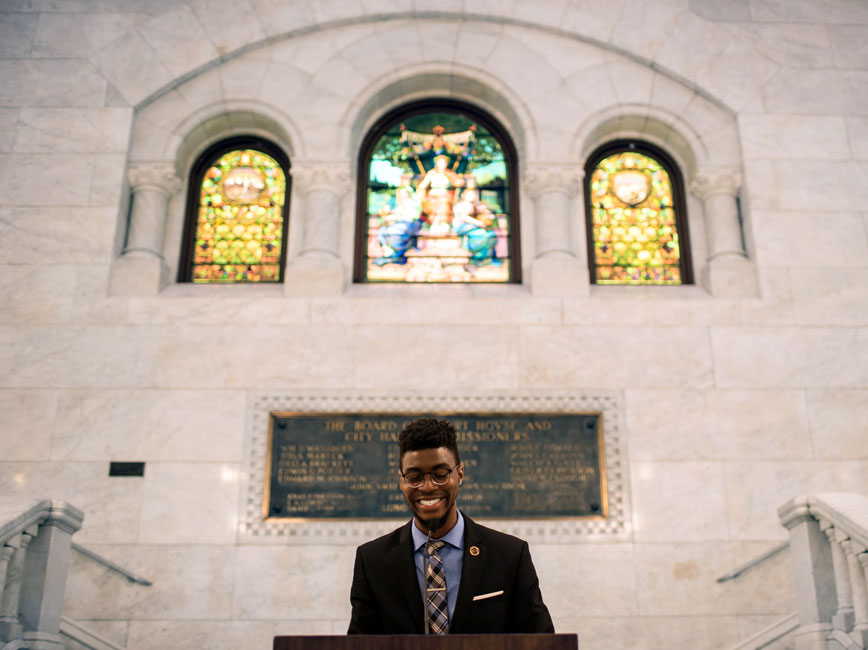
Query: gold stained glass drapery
{"x": 635, "y": 230}
{"x": 239, "y": 224}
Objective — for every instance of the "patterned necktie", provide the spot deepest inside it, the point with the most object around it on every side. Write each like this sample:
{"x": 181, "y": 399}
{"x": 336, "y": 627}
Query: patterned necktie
{"x": 435, "y": 588}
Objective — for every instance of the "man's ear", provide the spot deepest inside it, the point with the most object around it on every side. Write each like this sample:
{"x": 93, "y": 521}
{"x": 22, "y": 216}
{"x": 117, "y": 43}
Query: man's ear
{"x": 460, "y": 471}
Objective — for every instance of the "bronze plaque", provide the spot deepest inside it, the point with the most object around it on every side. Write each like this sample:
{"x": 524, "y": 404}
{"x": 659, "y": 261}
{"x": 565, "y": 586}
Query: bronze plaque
{"x": 517, "y": 465}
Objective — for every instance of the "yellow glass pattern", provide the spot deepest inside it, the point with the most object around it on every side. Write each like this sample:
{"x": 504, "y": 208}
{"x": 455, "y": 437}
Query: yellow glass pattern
{"x": 239, "y": 230}
{"x": 634, "y": 227}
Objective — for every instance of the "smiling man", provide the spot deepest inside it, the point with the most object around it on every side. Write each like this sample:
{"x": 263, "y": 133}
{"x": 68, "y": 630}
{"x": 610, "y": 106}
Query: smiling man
{"x": 442, "y": 572}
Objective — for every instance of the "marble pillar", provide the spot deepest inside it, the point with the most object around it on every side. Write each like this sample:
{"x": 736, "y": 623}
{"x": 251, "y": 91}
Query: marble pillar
{"x": 816, "y": 596}
{"x": 843, "y": 618}
{"x": 318, "y": 189}
{"x": 141, "y": 268}
{"x": 556, "y": 269}
{"x": 728, "y": 272}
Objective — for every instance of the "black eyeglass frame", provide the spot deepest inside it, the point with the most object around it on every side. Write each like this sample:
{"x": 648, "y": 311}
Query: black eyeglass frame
{"x": 421, "y": 481}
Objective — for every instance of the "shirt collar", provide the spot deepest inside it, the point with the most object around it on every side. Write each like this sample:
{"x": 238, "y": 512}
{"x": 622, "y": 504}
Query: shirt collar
{"x": 454, "y": 537}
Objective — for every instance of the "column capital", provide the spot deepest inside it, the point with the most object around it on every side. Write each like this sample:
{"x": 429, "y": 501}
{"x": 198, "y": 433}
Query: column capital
{"x": 553, "y": 177}
{"x": 159, "y": 177}
{"x": 329, "y": 176}
{"x": 713, "y": 182}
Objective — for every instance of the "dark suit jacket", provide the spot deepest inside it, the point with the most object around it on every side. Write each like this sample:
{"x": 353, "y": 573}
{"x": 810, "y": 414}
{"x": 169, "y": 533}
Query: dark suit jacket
{"x": 386, "y": 599}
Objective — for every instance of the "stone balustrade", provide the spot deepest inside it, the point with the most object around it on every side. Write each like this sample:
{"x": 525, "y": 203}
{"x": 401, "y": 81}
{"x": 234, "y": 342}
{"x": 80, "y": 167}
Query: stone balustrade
{"x": 35, "y": 538}
{"x": 829, "y": 538}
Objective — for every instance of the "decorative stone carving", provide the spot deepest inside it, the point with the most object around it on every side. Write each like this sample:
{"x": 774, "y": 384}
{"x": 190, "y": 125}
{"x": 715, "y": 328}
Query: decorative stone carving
{"x": 153, "y": 185}
{"x": 562, "y": 177}
{"x": 157, "y": 177}
{"x": 331, "y": 177}
{"x": 707, "y": 184}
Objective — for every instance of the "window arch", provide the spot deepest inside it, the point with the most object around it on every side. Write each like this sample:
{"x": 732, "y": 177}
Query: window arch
{"x": 437, "y": 198}
{"x": 236, "y": 220}
{"x": 635, "y": 213}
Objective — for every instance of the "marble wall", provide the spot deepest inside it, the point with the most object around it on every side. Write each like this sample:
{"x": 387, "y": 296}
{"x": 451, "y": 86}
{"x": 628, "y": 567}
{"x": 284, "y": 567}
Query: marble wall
{"x": 738, "y": 393}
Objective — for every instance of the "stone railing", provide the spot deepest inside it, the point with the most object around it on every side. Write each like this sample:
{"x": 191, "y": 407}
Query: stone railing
{"x": 35, "y": 538}
{"x": 828, "y": 539}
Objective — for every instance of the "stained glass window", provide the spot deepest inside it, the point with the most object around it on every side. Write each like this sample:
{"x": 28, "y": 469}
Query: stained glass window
{"x": 637, "y": 234}
{"x": 238, "y": 232}
{"x": 437, "y": 201}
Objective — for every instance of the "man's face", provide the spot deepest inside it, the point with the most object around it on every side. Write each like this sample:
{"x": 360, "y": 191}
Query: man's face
{"x": 430, "y": 501}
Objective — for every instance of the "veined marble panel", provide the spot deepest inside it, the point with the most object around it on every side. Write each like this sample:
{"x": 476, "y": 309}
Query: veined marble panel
{"x": 838, "y": 423}
{"x": 149, "y": 425}
{"x": 110, "y": 503}
{"x": 189, "y": 503}
{"x": 469, "y": 356}
{"x": 679, "y": 579}
{"x": 36, "y": 294}
{"x": 16, "y": 34}
{"x": 253, "y": 529}
{"x": 755, "y": 357}
{"x": 239, "y": 357}
{"x": 795, "y": 46}
{"x": 830, "y": 296}
{"x": 76, "y": 357}
{"x": 591, "y": 579}
{"x": 78, "y": 35}
{"x": 322, "y": 573}
{"x": 717, "y": 424}
{"x": 77, "y": 235}
{"x": 189, "y": 582}
{"x": 23, "y": 179}
{"x": 615, "y": 357}
{"x": 678, "y": 501}
{"x": 809, "y": 238}
{"x": 443, "y": 309}
{"x": 25, "y": 428}
{"x": 220, "y": 21}
{"x": 794, "y": 137}
{"x": 755, "y": 490}
{"x": 50, "y": 82}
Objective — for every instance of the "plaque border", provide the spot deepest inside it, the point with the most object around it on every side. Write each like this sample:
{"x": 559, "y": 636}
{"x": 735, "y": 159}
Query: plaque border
{"x": 254, "y": 528}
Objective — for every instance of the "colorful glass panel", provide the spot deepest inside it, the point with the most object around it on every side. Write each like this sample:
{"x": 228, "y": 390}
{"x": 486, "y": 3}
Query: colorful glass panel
{"x": 437, "y": 206}
{"x": 239, "y": 229}
{"x": 634, "y": 228}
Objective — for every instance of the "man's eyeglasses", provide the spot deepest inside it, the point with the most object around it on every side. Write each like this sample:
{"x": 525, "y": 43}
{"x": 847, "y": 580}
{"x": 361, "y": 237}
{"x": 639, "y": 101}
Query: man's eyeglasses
{"x": 438, "y": 477}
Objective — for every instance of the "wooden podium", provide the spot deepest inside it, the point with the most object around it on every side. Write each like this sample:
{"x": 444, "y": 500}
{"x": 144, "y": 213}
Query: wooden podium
{"x": 445, "y": 642}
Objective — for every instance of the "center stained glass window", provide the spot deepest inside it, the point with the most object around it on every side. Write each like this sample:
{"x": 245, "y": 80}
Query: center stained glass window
{"x": 437, "y": 202}
{"x": 239, "y": 219}
{"x": 636, "y": 238}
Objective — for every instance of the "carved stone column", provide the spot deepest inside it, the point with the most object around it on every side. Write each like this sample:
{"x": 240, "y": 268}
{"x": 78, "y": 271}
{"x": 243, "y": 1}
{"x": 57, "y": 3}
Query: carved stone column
{"x": 729, "y": 272}
{"x": 843, "y": 618}
{"x": 141, "y": 268}
{"x": 319, "y": 187}
{"x": 857, "y": 561}
{"x": 814, "y": 575}
{"x": 556, "y": 269}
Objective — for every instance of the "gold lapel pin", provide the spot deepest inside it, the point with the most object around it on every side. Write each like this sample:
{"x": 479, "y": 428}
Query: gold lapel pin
{"x": 474, "y": 551}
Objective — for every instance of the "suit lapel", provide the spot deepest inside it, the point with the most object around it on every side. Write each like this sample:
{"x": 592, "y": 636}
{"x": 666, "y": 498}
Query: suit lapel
{"x": 401, "y": 557}
{"x": 471, "y": 570}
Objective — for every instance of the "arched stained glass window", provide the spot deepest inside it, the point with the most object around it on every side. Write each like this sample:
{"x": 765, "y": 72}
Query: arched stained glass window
{"x": 236, "y": 214}
{"x": 437, "y": 198}
{"x": 637, "y": 233}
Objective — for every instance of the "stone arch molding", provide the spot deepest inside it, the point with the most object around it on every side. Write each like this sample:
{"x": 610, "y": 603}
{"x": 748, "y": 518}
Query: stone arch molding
{"x": 704, "y": 141}
{"x": 317, "y": 94}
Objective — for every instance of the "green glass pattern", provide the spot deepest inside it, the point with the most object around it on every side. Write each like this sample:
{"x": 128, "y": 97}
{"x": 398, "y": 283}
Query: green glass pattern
{"x": 437, "y": 203}
{"x": 239, "y": 231}
{"x": 634, "y": 226}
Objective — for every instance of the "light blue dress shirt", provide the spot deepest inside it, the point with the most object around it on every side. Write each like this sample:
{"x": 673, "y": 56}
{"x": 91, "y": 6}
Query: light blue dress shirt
{"x": 452, "y": 555}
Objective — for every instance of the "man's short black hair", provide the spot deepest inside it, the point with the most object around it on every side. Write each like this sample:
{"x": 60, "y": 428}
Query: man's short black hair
{"x": 428, "y": 433}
